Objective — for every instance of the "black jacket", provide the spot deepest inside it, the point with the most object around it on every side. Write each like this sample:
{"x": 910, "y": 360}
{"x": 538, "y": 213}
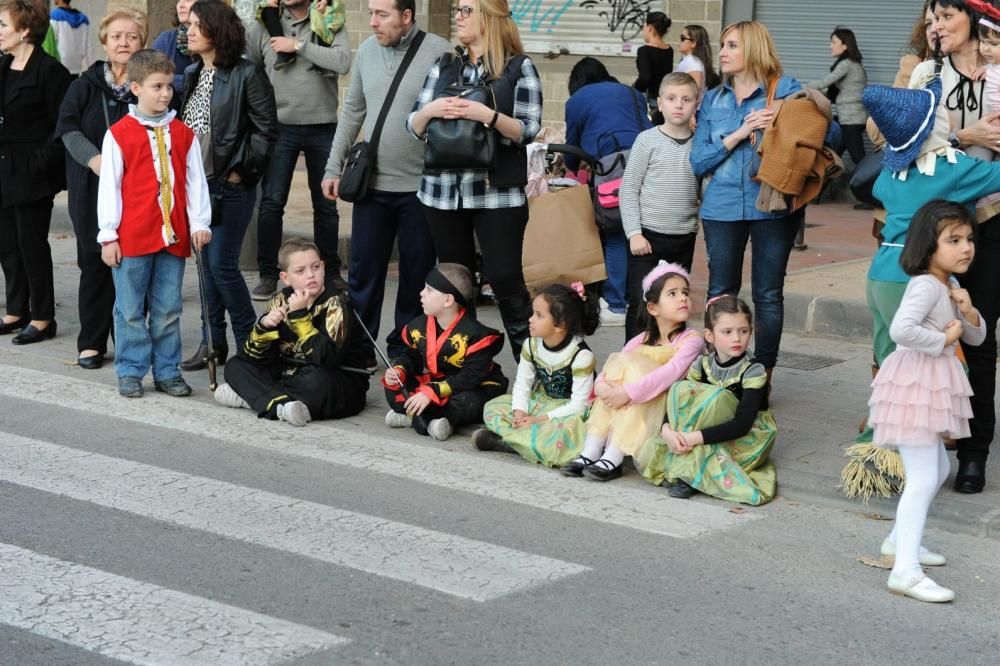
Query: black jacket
{"x": 31, "y": 158}
{"x": 244, "y": 119}
{"x": 91, "y": 108}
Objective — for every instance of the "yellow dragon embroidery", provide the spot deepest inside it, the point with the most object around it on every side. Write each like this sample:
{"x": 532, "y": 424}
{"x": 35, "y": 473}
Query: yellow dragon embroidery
{"x": 461, "y": 344}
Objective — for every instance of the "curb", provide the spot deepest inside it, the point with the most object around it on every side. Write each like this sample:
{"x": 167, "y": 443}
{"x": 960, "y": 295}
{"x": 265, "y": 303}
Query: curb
{"x": 965, "y": 514}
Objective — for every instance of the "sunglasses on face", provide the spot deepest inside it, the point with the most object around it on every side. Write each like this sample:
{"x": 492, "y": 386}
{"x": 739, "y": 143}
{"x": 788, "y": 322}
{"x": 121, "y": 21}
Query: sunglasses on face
{"x": 686, "y": 38}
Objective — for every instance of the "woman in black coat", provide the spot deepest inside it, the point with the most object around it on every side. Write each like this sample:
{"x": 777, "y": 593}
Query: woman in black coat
{"x": 95, "y": 102}
{"x": 229, "y": 103}
{"x": 32, "y": 171}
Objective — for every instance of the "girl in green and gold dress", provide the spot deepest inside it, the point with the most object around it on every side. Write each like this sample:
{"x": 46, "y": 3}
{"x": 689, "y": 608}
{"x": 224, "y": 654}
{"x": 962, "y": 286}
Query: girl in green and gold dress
{"x": 543, "y": 419}
{"x": 719, "y": 431}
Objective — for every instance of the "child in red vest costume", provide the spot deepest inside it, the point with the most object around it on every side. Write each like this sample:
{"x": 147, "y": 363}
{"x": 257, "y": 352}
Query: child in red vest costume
{"x": 153, "y": 205}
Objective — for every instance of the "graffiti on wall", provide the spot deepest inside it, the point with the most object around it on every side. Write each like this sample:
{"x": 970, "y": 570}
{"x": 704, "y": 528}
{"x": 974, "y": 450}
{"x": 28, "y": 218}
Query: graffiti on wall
{"x": 531, "y": 15}
{"x": 624, "y": 17}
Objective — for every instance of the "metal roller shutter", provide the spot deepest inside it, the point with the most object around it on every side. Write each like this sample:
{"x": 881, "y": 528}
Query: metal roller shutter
{"x": 582, "y": 27}
{"x": 801, "y": 31}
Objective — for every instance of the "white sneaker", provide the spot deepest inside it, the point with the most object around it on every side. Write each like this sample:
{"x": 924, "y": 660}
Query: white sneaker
{"x": 397, "y": 420}
{"x": 609, "y": 318}
{"x": 294, "y": 413}
{"x": 926, "y": 557}
{"x": 440, "y": 429}
{"x": 920, "y": 587}
{"x": 227, "y": 397}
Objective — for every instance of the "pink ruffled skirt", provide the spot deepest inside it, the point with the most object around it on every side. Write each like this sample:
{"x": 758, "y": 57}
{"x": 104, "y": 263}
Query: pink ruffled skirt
{"x": 917, "y": 399}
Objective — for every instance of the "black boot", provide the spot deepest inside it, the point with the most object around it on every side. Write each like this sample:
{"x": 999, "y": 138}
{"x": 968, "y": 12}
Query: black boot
{"x": 515, "y": 311}
{"x": 199, "y": 360}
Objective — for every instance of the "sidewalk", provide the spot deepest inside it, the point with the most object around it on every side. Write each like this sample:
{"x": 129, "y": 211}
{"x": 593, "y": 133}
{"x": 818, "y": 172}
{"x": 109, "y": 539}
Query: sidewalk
{"x": 821, "y": 384}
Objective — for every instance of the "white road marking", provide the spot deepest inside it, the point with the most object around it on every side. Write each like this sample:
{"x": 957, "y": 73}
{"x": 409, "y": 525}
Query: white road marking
{"x": 443, "y": 562}
{"x": 618, "y": 504}
{"x": 138, "y": 622}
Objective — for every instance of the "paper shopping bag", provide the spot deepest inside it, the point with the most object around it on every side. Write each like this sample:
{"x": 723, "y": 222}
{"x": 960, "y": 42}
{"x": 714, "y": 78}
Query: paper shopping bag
{"x": 561, "y": 243}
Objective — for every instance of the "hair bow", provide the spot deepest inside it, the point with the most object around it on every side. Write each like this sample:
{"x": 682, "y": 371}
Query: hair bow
{"x": 579, "y": 289}
{"x": 984, "y": 8}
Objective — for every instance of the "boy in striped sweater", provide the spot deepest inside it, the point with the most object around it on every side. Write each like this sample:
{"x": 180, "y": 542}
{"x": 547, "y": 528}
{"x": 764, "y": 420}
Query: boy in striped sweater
{"x": 659, "y": 196}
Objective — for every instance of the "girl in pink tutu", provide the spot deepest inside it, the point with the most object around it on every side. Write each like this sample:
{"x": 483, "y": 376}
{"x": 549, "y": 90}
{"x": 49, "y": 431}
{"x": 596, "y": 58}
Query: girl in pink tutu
{"x": 921, "y": 393}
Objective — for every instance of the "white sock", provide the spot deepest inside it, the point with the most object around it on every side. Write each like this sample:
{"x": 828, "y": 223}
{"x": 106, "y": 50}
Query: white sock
{"x": 922, "y": 481}
{"x": 593, "y": 447}
{"x": 613, "y": 455}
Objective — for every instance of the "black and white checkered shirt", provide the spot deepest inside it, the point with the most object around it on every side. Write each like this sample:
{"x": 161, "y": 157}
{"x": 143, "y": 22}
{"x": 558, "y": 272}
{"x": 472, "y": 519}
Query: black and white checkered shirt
{"x": 450, "y": 190}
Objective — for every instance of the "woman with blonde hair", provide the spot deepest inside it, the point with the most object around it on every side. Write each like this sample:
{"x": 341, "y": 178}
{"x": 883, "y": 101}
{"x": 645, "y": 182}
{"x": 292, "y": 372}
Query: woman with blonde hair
{"x": 488, "y": 204}
{"x": 731, "y": 121}
{"x": 99, "y": 98}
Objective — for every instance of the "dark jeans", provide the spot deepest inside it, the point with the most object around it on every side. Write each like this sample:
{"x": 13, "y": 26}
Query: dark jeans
{"x": 225, "y": 288}
{"x": 376, "y": 221}
{"x": 329, "y": 394}
{"x": 854, "y": 142}
{"x": 27, "y": 259}
{"x": 96, "y": 301}
{"x": 501, "y": 237}
{"x": 983, "y": 284}
{"x": 771, "y": 243}
{"x": 314, "y": 141}
{"x": 678, "y": 249}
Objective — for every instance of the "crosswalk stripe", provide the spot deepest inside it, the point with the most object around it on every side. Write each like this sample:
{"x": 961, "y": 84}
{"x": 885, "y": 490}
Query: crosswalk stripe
{"x": 138, "y": 622}
{"x": 622, "y": 504}
{"x": 443, "y": 562}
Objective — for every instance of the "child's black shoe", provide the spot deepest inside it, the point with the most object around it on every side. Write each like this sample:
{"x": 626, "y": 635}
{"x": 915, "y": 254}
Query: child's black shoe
{"x": 487, "y": 440}
{"x": 603, "y": 470}
{"x": 682, "y": 490}
{"x": 576, "y": 466}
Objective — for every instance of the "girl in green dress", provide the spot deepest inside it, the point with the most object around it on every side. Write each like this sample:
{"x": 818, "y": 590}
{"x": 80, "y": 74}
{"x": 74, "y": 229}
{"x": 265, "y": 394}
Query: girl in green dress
{"x": 543, "y": 419}
{"x": 719, "y": 431}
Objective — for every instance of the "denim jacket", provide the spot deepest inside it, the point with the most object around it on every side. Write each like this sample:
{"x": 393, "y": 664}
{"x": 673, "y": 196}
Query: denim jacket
{"x": 731, "y": 192}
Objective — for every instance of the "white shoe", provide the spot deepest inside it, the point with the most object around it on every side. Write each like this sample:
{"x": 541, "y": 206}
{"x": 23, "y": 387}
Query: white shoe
{"x": 440, "y": 429}
{"x": 227, "y": 397}
{"x": 926, "y": 557}
{"x": 609, "y": 318}
{"x": 294, "y": 413}
{"x": 920, "y": 587}
{"x": 397, "y": 420}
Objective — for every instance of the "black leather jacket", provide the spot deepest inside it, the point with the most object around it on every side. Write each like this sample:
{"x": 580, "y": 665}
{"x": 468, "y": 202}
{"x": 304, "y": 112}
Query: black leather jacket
{"x": 244, "y": 119}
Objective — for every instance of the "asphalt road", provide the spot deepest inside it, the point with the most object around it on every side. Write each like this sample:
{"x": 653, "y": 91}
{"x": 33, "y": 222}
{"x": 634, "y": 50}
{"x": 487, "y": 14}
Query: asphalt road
{"x": 172, "y": 531}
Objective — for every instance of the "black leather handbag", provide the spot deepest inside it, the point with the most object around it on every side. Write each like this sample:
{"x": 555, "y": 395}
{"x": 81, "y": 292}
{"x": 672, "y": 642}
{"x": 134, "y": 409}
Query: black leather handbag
{"x": 458, "y": 143}
{"x": 360, "y": 162}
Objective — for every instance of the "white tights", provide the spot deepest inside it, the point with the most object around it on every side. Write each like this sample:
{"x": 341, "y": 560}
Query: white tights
{"x": 595, "y": 448}
{"x": 927, "y": 468}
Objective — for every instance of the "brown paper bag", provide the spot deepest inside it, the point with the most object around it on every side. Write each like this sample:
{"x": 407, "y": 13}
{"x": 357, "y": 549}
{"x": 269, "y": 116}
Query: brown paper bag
{"x": 561, "y": 243}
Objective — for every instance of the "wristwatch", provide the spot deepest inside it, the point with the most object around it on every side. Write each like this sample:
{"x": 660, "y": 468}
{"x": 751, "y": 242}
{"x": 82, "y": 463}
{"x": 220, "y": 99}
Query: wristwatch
{"x": 953, "y": 141}
{"x": 299, "y": 45}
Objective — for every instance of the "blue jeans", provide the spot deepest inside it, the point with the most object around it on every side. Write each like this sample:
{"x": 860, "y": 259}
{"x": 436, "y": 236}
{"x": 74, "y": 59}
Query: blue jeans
{"x": 156, "y": 278}
{"x": 771, "y": 243}
{"x": 616, "y": 262}
{"x": 376, "y": 221}
{"x": 225, "y": 288}
{"x": 314, "y": 141}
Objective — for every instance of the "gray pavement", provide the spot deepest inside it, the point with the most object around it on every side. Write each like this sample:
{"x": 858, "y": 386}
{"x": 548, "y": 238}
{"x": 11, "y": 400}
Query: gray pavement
{"x": 175, "y": 531}
{"x": 820, "y": 394}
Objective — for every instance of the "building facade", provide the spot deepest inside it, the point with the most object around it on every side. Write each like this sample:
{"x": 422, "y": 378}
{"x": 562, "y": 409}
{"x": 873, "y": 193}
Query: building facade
{"x": 557, "y": 33}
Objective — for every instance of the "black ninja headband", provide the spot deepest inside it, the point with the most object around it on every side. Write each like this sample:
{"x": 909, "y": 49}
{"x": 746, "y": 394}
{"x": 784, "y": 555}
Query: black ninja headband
{"x": 437, "y": 280}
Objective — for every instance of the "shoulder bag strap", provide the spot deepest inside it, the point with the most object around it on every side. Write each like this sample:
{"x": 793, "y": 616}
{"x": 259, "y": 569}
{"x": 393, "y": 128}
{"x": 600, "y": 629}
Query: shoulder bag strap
{"x": 407, "y": 59}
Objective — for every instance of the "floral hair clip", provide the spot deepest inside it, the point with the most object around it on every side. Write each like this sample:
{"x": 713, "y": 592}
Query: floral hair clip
{"x": 579, "y": 289}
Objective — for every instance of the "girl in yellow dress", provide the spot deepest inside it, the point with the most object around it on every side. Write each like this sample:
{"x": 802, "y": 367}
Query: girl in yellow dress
{"x": 632, "y": 389}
